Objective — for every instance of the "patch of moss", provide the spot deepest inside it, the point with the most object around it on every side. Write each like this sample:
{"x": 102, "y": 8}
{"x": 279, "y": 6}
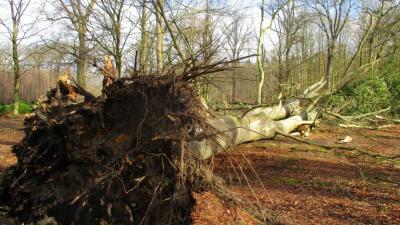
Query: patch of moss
{"x": 321, "y": 183}
{"x": 288, "y": 181}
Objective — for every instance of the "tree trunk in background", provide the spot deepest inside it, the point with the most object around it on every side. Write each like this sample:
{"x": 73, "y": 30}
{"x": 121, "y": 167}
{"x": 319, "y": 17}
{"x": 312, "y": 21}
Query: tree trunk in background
{"x": 78, "y": 12}
{"x": 118, "y": 50}
{"x": 118, "y": 64}
{"x": 260, "y": 59}
{"x": 82, "y": 59}
{"x": 39, "y": 79}
{"x": 329, "y": 67}
{"x": 16, "y": 68}
{"x": 5, "y": 83}
{"x": 207, "y": 35}
{"x": 287, "y": 61}
{"x": 144, "y": 39}
{"x": 233, "y": 94}
{"x": 160, "y": 35}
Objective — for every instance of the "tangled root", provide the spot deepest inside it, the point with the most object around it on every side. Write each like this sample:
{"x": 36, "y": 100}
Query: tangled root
{"x": 118, "y": 159}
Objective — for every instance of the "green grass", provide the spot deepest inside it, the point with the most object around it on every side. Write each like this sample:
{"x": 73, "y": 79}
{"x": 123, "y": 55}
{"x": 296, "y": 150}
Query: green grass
{"x": 24, "y": 108}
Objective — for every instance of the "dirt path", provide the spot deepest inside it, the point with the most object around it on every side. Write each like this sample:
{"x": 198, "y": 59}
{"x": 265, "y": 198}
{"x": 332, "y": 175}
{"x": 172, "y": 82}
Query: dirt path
{"x": 10, "y": 133}
{"x": 300, "y": 184}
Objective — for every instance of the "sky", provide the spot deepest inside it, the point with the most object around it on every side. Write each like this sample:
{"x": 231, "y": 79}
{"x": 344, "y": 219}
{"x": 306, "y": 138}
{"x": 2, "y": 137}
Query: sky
{"x": 39, "y": 8}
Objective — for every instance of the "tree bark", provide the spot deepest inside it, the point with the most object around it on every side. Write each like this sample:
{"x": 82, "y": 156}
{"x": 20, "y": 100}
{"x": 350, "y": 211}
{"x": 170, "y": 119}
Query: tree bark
{"x": 144, "y": 39}
{"x": 329, "y": 68}
{"x": 82, "y": 59}
{"x": 160, "y": 35}
{"x": 16, "y": 68}
{"x": 260, "y": 59}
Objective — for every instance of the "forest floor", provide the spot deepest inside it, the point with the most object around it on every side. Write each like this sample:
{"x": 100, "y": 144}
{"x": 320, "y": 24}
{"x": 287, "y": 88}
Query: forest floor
{"x": 297, "y": 183}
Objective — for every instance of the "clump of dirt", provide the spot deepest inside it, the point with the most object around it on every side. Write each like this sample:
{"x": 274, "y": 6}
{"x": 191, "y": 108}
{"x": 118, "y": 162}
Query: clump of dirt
{"x": 118, "y": 159}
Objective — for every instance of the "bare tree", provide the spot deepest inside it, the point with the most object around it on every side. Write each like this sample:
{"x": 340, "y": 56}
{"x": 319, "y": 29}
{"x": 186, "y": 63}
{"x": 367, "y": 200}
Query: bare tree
{"x": 385, "y": 28}
{"x": 168, "y": 22}
{"x": 78, "y": 13}
{"x": 260, "y": 57}
{"x": 17, "y": 32}
{"x": 288, "y": 23}
{"x": 207, "y": 37}
{"x": 159, "y": 8}
{"x": 332, "y": 16}
{"x": 260, "y": 60}
{"x": 107, "y": 30}
{"x": 237, "y": 36}
{"x": 144, "y": 39}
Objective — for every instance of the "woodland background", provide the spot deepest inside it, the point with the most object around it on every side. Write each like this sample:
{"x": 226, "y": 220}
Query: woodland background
{"x": 352, "y": 43}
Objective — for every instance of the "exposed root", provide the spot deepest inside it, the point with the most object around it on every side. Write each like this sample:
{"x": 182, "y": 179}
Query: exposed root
{"x": 121, "y": 159}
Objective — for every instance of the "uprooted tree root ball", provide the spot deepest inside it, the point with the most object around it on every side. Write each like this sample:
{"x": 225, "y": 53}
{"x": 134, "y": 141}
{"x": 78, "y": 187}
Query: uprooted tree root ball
{"x": 118, "y": 159}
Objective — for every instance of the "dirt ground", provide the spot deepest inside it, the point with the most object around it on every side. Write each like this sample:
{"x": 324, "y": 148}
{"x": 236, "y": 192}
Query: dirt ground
{"x": 10, "y": 133}
{"x": 294, "y": 182}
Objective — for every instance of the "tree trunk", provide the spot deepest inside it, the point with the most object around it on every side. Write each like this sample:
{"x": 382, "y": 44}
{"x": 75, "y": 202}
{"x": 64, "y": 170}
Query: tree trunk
{"x": 16, "y": 69}
{"x": 118, "y": 50}
{"x": 82, "y": 59}
{"x": 160, "y": 36}
{"x": 260, "y": 58}
{"x": 144, "y": 39}
{"x": 329, "y": 68}
{"x": 234, "y": 86}
{"x": 207, "y": 35}
{"x": 287, "y": 62}
{"x": 4, "y": 83}
{"x": 118, "y": 64}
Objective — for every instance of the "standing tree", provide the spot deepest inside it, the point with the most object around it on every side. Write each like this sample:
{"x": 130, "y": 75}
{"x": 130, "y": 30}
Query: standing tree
{"x": 17, "y": 32}
{"x": 287, "y": 27}
{"x": 159, "y": 8}
{"x": 207, "y": 37}
{"x": 144, "y": 39}
{"x": 332, "y": 16}
{"x": 78, "y": 13}
{"x": 260, "y": 57}
{"x": 107, "y": 29}
{"x": 260, "y": 64}
{"x": 237, "y": 36}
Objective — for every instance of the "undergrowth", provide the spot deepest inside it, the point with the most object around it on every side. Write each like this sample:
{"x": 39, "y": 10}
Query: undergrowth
{"x": 24, "y": 108}
{"x": 376, "y": 90}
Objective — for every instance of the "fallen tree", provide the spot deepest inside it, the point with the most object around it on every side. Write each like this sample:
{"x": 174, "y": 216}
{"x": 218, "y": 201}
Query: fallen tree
{"x": 256, "y": 124}
{"x": 132, "y": 156}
